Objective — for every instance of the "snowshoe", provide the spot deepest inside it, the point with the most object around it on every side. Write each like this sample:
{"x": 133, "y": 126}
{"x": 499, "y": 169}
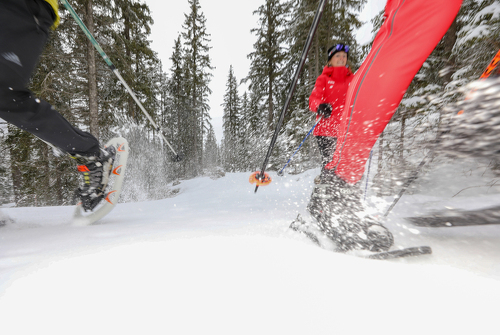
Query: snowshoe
{"x": 336, "y": 206}
{"x": 380, "y": 241}
{"x": 103, "y": 179}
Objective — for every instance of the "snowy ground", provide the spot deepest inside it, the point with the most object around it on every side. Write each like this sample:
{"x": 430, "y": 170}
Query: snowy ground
{"x": 218, "y": 259}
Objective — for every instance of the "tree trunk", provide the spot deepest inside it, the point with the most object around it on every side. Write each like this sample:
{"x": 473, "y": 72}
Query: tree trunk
{"x": 270, "y": 105}
{"x": 44, "y": 184}
{"x": 58, "y": 183}
{"x": 379, "y": 178}
{"x": 126, "y": 34}
{"x": 402, "y": 137}
{"x": 16, "y": 175}
{"x": 449, "y": 42}
{"x": 317, "y": 66}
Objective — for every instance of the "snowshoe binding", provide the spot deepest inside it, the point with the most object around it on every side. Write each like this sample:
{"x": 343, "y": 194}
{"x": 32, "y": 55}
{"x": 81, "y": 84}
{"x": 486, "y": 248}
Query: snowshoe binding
{"x": 95, "y": 172}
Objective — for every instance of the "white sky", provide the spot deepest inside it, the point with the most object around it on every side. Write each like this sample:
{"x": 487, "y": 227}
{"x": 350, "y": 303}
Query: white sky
{"x": 229, "y": 23}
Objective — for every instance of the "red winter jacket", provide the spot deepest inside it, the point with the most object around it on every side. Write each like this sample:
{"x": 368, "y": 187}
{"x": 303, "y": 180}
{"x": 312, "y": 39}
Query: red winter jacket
{"x": 331, "y": 87}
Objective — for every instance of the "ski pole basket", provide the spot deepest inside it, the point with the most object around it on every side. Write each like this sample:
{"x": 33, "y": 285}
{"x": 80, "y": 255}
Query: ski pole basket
{"x": 257, "y": 178}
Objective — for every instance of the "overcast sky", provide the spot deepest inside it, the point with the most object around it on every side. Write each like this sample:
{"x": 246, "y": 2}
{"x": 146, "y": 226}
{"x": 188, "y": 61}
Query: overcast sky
{"x": 229, "y": 23}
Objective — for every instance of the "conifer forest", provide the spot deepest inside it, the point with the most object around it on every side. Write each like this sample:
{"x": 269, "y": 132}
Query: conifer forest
{"x": 77, "y": 82}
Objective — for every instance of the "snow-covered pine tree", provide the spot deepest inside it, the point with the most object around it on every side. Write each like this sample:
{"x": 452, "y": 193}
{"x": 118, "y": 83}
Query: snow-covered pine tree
{"x": 246, "y": 136}
{"x": 267, "y": 59}
{"x": 254, "y": 130}
{"x": 267, "y": 87}
{"x": 175, "y": 122}
{"x": 132, "y": 54}
{"x": 197, "y": 76}
{"x": 232, "y": 124}
{"x": 211, "y": 154}
{"x": 478, "y": 38}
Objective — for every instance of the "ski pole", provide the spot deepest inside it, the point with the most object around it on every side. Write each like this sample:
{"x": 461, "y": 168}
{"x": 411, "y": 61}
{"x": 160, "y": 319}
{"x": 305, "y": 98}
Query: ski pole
{"x": 118, "y": 75}
{"x": 368, "y": 173}
{"x": 260, "y": 176}
{"x": 280, "y": 173}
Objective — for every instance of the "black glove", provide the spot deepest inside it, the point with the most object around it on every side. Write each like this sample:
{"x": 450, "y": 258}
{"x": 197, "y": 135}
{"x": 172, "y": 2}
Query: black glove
{"x": 325, "y": 110}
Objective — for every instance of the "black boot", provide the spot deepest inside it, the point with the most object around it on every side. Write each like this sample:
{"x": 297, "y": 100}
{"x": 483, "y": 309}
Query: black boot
{"x": 336, "y": 206}
{"x": 95, "y": 171}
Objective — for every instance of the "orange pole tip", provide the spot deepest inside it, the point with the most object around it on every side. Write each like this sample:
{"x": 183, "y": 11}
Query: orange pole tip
{"x": 256, "y": 179}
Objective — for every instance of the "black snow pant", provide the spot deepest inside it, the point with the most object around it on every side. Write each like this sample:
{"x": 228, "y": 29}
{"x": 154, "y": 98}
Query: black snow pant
{"x": 327, "y": 148}
{"x": 24, "y": 30}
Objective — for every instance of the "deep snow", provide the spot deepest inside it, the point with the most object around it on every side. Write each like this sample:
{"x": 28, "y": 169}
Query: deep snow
{"x": 219, "y": 259}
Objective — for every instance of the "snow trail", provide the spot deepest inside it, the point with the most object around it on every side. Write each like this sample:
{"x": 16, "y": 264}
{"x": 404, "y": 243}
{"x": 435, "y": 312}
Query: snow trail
{"x": 218, "y": 258}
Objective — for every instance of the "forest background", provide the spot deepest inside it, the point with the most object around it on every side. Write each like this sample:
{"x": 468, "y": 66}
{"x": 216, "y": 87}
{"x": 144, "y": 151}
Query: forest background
{"x": 73, "y": 78}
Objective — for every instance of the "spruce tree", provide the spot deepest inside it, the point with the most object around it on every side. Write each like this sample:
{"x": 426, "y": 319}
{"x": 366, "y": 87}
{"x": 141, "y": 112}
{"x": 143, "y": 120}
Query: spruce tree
{"x": 232, "y": 124}
{"x": 267, "y": 61}
{"x": 255, "y": 133}
{"x": 197, "y": 76}
{"x": 245, "y": 134}
{"x": 211, "y": 152}
{"x": 175, "y": 115}
{"x": 132, "y": 54}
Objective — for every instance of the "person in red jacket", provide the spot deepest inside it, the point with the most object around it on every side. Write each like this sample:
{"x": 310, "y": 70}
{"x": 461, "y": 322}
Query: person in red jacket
{"x": 328, "y": 98}
{"x": 411, "y": 30}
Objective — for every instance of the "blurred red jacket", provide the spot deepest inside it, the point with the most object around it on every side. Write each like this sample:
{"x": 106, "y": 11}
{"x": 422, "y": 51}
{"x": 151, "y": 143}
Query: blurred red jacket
{"x": 331, "y": 87}
{"x": 411, "y": 30}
